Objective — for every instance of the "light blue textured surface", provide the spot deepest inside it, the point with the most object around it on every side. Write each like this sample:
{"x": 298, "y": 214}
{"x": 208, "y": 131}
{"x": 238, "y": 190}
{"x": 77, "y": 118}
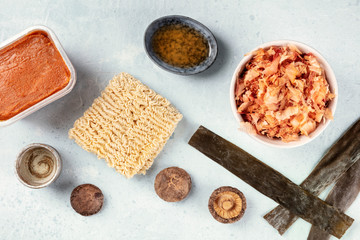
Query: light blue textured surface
{"x": 103, "y": 38}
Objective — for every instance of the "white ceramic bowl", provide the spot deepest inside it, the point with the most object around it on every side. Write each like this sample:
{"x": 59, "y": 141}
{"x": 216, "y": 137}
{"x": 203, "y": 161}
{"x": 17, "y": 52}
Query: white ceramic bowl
{"x": 330, "y": 76}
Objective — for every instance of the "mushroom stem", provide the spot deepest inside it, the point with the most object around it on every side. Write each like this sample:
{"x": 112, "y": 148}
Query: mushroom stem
{"x": 227, "y": 204}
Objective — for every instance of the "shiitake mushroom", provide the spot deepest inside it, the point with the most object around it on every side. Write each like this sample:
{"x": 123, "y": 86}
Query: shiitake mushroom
{"x": 227, "y": 204}
{"x": 87, "y": 199}
{"x": 172, "y": 184}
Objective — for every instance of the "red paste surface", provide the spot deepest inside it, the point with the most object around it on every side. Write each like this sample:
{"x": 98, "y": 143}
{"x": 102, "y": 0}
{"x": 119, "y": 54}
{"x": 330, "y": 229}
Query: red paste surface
{"x": 31, "y": 69}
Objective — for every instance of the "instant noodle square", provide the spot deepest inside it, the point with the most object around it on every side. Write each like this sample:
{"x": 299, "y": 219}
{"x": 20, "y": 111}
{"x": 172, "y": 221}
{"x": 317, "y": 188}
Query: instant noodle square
{"x": 128, "y": 125}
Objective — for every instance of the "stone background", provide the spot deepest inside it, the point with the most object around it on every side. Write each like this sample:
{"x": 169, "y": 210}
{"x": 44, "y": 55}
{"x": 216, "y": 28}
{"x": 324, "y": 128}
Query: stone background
{"x": 103, "y": 38}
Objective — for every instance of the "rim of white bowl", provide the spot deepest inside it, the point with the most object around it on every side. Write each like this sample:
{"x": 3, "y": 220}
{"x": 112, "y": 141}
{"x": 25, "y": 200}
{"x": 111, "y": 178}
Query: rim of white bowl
{"x": 330, "y": 77}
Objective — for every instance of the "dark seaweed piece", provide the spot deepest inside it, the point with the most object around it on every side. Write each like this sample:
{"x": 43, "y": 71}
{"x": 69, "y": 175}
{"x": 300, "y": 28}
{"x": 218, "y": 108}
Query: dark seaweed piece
{"x": 270, "y": 182}
{"x": 341, "y": 196}
{"x": 341, "y": 156}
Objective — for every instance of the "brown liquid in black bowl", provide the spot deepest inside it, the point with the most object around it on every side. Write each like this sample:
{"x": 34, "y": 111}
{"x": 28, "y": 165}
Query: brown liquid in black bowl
{"x": 180, "y": 45}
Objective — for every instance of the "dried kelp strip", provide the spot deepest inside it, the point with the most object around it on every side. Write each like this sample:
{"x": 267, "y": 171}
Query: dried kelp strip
{"x": 271, "y": 183}
{"x": 341, "y": 196}
{"x": 341, "y": 156}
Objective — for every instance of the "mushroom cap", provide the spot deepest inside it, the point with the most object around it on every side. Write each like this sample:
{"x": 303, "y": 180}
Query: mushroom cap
{"x": 172, "y": 184}
{"x": 227, "y": 204}
{"x": 86, "y": 199}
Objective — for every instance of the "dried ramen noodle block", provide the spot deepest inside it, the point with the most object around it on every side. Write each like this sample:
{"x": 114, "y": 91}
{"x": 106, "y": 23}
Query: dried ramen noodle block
{"x": 128, "y": 125}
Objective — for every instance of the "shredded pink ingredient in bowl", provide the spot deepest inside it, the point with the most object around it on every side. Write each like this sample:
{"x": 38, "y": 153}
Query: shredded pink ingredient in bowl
{"x": 282, "y": 93}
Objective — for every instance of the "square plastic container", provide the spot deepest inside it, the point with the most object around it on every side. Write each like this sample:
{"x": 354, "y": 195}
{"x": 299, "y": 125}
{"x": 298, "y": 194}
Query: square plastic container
{"x": 57, "y": 94}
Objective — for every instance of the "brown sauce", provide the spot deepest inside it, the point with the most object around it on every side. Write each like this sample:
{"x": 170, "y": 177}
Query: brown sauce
{"x": 40, "y": 163}
{"x": 180, "y": 45}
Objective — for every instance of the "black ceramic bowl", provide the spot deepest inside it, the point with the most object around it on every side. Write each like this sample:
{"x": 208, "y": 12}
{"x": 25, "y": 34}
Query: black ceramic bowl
{"x": 176, "y": 19}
